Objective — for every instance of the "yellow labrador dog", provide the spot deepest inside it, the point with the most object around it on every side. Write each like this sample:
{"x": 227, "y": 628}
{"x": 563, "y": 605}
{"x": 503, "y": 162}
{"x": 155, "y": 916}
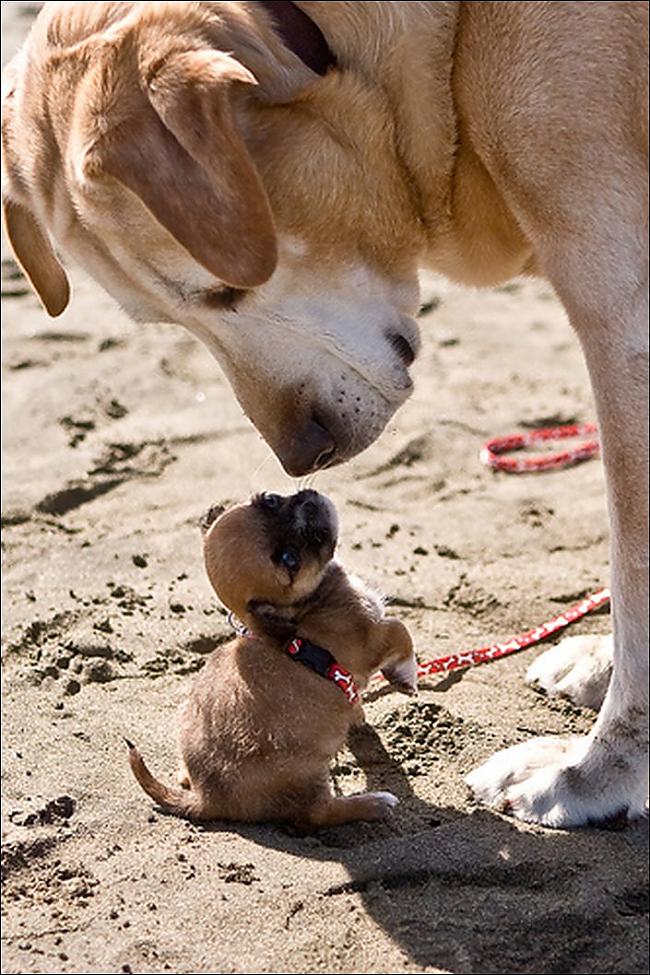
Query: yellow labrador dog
{"x": 272, "y": 175}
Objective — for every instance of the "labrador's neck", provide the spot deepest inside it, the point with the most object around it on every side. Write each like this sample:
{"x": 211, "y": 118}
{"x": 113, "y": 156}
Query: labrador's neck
{"x": 407, "y": 49}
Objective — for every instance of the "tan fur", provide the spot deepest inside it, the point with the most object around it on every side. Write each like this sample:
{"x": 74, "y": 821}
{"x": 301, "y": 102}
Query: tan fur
{"x": 480, "y": 139}
{"x": 259, "y": 729}
{"x": 325, "y": 152}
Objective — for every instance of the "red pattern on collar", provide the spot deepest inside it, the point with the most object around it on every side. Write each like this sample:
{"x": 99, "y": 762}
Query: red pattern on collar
{"x": 335, "y": 672}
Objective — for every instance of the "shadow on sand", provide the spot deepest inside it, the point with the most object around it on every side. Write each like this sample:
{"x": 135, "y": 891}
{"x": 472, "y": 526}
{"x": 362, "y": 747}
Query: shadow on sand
{"x": 476, "y": 893}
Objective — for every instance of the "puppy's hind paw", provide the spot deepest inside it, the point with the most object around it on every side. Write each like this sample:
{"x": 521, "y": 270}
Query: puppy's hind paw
{"x": 381, "y": 805}
{"x": 335, "y": 810}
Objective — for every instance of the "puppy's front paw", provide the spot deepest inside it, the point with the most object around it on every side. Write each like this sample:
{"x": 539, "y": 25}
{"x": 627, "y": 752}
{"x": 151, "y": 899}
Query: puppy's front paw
{"x": 403, "y": 675}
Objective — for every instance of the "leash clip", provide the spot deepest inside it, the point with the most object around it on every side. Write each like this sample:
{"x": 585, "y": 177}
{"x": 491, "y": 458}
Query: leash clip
{"x": 240, "y": 628}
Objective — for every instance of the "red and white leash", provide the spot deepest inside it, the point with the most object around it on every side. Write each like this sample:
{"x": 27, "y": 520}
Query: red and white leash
{"x": 492, "y": 451}
{"x": 481, "y": 655}
{"x": 491, "y": 456}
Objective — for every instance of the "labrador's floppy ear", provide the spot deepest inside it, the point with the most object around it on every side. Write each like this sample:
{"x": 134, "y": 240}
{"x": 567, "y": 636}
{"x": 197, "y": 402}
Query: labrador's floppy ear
{"x": 29, "y": 241}
{"x": 177, "y": 147}
{"x": 34, "y": 252}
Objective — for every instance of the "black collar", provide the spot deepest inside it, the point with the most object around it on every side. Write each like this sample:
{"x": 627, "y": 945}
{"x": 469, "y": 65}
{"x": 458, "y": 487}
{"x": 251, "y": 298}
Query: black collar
{"x": 318, "y": 659}
{"x": 301, "y": 35}
{"x": 323, "y": 663}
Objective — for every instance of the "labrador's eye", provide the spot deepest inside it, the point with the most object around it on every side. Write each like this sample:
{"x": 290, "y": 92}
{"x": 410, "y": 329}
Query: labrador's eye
{"x": 223, "y": 298}
{"x": 289, "y": 559}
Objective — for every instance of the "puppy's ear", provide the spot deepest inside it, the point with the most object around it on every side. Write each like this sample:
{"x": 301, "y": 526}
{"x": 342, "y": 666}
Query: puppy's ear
{"x": 270, "y": 620}
{"x": 35, "y": 255}
{"x": 210, "y": 516}
{"x": 171, "y": 138}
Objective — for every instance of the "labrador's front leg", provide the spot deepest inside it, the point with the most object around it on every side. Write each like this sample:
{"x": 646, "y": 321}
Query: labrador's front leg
{"x": 574, "y": 782}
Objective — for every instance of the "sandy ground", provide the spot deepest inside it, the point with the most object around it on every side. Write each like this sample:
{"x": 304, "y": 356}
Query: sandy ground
{"x": 116, "y": 439}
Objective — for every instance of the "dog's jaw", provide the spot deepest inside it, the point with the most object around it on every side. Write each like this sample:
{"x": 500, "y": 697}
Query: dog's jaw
{"x": 329, "y": 351}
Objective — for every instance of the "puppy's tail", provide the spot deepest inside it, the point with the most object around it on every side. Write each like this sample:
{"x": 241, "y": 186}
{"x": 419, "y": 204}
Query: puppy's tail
{"x": 178, "y": 802}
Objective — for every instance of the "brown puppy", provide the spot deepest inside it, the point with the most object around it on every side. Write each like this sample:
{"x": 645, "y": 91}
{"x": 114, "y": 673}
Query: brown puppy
{"x": 259, "y": 729}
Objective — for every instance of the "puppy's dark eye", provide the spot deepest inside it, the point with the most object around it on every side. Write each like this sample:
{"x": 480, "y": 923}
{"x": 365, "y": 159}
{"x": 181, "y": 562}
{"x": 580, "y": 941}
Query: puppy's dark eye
{"x": 270, "y": 501}
{"x": 289, "y": 559}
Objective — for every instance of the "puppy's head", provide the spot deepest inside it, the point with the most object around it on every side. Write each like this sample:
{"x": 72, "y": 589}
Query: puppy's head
{"x": 265, "y": 557}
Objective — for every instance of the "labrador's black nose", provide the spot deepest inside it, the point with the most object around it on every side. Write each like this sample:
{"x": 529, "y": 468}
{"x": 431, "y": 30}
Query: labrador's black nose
{"x": 310, "y": 449}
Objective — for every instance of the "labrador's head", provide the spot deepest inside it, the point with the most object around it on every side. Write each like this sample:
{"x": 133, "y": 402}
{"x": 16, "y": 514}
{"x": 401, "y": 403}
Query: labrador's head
{"x": 204, "y": 175}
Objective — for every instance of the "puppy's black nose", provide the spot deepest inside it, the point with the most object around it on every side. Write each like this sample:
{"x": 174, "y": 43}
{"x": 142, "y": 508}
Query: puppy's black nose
{"x": 311, "y": 449}
{"x": 310, "y": 509}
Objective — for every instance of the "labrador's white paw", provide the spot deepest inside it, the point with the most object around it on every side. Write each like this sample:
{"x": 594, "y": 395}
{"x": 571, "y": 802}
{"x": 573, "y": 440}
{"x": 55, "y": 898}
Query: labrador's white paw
{"x": 577, "y": 668}
{"x": 561, "y": 782}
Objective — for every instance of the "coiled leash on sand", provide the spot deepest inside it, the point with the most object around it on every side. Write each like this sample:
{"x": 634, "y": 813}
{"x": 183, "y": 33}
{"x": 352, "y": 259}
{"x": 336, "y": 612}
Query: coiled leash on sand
{"x": 492, "y": 455}
{"x": 492, "y": 451}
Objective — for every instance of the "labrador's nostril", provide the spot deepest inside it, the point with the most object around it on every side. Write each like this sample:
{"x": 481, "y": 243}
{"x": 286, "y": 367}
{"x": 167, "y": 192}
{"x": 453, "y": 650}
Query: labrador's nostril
{"x": 324, "y": 458}
{"x": 403, "y": 348}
